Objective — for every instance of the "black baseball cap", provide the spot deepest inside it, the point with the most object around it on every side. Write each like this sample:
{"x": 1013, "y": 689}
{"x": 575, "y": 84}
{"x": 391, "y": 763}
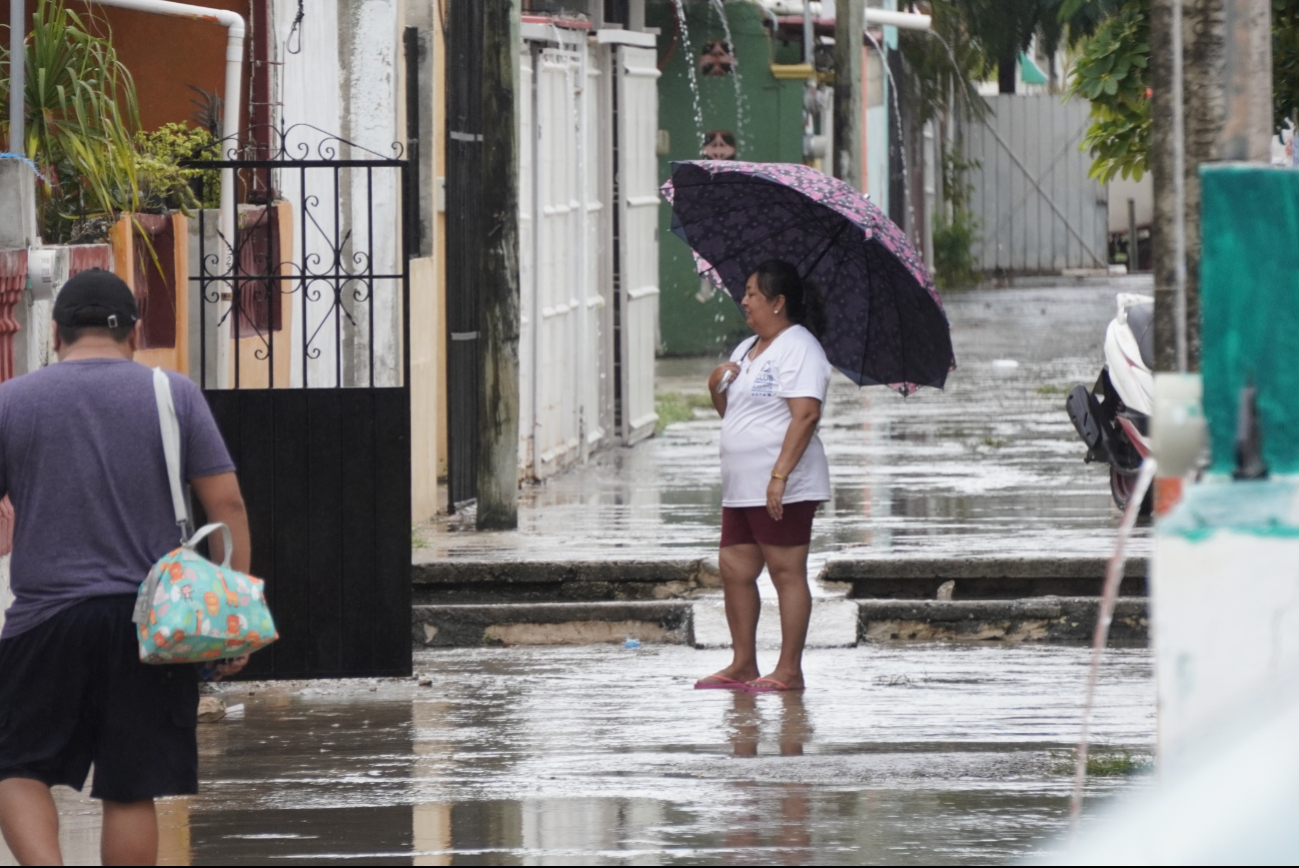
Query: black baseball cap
{"x": 96, "y": 298}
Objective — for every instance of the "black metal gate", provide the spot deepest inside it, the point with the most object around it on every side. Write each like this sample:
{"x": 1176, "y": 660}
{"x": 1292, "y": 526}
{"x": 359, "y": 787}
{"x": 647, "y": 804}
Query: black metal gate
{"x": 301, "y": 324}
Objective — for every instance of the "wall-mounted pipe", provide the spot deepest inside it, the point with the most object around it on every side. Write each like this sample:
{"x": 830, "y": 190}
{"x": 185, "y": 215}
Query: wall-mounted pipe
{"x": 235, "y": 30}
{"x": 900, "y": 20}
{"x": 17, "y": 71}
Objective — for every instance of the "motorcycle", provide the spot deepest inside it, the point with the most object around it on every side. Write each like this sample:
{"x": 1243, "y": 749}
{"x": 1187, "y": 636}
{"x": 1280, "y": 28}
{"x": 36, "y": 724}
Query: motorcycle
{"x": 1113, "y": 418}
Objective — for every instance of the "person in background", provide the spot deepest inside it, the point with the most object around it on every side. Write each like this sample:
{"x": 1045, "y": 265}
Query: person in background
{"x": 719, "y": 145}
{"x": 774, "y": 470}
{"x": 81, "y": 459}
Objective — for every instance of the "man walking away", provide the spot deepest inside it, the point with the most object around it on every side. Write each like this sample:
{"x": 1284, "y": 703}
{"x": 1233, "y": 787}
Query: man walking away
{"x": 81, "y": 459}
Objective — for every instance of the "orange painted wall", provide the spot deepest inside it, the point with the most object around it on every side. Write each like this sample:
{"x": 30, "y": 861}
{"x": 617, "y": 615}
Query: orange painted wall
{"x": 165, "y": 54}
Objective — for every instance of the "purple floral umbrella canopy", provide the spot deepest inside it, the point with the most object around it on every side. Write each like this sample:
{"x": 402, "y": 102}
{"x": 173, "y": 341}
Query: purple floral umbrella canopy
{"x": 886, "y": 322}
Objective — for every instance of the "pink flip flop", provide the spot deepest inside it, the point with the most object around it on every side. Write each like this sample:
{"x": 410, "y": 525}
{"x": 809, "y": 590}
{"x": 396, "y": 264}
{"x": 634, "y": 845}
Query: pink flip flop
{"x": 770, "y": 685}
{"x": 722, "y": 683}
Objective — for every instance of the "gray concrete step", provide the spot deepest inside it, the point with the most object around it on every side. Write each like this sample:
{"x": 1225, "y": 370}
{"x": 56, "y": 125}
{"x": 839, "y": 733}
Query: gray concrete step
{"x": 980, "y": 577}
{"x": 1047, "y": 620}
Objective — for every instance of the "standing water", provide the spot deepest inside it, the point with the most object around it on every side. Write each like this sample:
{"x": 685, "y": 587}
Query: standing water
{"x": 720, "y": 7}
{"x": 691, "y": 74}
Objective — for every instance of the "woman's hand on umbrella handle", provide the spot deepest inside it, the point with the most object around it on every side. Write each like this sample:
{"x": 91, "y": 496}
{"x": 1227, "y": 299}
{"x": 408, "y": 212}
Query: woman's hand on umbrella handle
{"x": 775, "y": 498}
{"x": 715, "y": 380}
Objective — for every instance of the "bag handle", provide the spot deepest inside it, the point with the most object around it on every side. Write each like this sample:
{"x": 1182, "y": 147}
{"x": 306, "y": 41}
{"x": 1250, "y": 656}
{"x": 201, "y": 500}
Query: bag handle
{"x": 203, "y": 532}
{"x": 144, "y": 601}
{"x": 170, "y": 426}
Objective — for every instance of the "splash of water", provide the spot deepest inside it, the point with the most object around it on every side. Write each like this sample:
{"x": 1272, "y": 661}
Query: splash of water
{"x": 897, "y": 113}
{"x": 951, "y": 55}
{"x": 720, "y": 8}
{"x": 691, "y": 73}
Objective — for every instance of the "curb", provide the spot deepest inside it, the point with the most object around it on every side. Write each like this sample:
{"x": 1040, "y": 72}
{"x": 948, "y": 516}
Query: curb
{"x": 451, "y": 626}
{"x": 980, "y": 578}
{"x": 1046, "y": 620}
{"x": 490, "y": 582}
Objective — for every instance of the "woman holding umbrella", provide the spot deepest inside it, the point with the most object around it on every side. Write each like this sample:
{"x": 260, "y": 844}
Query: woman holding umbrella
{"x": 765, "y": 232}
{"x": 774, "y": 471}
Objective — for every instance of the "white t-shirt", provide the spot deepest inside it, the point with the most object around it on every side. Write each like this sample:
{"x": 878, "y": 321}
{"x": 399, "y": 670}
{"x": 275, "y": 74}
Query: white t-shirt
{"x": 757, "y": 418}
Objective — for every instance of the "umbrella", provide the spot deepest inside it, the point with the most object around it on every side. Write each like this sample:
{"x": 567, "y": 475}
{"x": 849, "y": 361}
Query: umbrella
{"x": 887, "y": 325}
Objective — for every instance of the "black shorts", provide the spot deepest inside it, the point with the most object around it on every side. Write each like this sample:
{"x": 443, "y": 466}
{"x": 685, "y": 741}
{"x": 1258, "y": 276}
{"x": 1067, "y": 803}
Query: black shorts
{"x": 73, "y": 692}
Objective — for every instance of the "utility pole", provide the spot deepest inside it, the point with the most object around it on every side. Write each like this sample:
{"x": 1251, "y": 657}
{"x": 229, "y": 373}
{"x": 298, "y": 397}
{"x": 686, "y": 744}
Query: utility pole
{"x": 1226, "y": 91}
{"x": 498, "y": 396}
{"x": 849, "y": 20}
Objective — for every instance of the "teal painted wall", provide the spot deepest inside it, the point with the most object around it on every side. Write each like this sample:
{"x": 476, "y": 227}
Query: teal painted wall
{"x": 771, "y": 131}
{"x": 1249, "y": 302}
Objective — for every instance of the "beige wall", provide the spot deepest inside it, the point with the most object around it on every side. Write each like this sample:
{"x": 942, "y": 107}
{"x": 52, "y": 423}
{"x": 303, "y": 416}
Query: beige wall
{"x": 426, "y": 399}
{"x": 440, "y": 233}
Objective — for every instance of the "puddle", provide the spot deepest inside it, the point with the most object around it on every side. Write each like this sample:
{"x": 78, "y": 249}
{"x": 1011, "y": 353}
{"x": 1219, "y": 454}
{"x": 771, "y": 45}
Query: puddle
{"x": 992, "y": 465}
{"x": 929, "y": 754}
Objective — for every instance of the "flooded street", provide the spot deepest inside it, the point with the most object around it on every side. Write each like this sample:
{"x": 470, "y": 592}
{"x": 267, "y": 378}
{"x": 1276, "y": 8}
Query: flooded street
{"x": 600, "y": 754}
{"x": 989, "y": 466}
{"x": 605, "y": 755}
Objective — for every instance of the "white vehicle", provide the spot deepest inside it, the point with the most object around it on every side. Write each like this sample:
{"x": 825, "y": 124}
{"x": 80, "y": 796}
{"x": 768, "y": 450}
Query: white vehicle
{"x": 1113, "y": 419}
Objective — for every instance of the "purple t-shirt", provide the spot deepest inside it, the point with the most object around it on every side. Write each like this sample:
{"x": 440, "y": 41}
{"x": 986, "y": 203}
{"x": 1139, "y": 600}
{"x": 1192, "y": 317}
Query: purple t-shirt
{"x": 81, "y": 459}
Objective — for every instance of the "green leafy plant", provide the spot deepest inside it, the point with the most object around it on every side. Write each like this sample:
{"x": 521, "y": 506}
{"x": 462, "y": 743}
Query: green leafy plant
{"x": 956, "y": 229}
{"x": 1285, "y": 62}
{"x": 164, "y": 183}
{"x": 81, "y": 112}
{"x": 1114, "y": 74}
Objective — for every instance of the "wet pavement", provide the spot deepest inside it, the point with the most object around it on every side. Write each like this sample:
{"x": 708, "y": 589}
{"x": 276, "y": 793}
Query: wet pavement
{"x": 990, "y": 466}
{"x": 605, "y": 755}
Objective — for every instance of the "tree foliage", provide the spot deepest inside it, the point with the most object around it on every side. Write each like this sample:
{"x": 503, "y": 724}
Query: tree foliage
{"x": 1114, "y": 74}
{"x": 1285, "y": 62}
{"x": 943, "y": 64}
{"x": 1004, "y": 28}
{"x": 80, "y": 119}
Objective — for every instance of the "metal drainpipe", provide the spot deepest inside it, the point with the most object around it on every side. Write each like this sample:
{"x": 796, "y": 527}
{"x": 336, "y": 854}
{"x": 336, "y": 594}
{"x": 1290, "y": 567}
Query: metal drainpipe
{"x": 17, "y": 71}
{"x": 235, "y": 27}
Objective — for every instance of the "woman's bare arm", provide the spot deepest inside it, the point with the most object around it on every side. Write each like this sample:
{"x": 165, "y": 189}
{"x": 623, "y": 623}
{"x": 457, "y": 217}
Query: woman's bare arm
{"x": 806, "y": 413}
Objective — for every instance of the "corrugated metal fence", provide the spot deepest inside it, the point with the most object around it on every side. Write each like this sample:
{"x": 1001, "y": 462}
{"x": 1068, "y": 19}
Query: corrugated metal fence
{"x": 1038, "y": 211}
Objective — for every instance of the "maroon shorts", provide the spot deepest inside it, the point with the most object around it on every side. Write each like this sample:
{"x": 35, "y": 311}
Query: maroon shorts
{"x": 752, "y": 525}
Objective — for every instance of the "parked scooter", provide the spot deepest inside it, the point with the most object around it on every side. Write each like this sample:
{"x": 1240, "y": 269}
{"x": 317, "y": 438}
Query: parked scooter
{"x": 1113, "y": 419}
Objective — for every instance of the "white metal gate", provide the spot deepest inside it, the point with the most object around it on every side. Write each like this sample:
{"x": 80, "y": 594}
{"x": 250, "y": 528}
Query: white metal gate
{"x": 564, "y": 357}
{"x": 636, "y": 73}
{"x": 1037, "y": 209}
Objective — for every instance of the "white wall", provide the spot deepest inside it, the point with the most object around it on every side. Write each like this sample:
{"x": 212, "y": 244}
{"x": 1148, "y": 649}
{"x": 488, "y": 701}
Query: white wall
{"x": 343, "y": 83}
{"x": 1123, "y": 189}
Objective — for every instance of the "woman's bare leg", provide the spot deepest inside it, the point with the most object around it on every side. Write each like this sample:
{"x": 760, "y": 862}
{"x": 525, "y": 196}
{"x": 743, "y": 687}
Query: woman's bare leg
{"x": 740, "y": 566}
{"x": 788, "y": 568}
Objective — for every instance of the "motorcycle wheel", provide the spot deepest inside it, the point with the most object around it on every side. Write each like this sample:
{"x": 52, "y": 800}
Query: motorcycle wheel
{"x": 1121, "y": 489}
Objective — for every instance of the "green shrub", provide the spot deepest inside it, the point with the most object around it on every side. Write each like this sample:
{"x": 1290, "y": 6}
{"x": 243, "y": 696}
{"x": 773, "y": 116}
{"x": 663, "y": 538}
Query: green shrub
{"x": 80, "y": 114}
{"x": 956, "y": 230}
{"x": 164, "y": 183}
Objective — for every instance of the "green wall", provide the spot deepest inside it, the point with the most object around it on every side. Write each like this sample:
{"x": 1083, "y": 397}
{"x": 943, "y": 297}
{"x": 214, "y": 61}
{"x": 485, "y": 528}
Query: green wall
{"x": 772, "y": 131}
{"x": 1249, "y": 302}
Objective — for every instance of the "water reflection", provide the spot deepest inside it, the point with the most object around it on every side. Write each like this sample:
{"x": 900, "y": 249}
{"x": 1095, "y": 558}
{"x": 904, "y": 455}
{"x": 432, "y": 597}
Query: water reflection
{"x": 607, "y": 756}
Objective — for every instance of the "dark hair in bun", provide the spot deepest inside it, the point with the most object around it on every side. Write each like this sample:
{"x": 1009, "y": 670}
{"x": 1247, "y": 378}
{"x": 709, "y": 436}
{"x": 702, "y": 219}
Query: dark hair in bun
{"x": 777, "y": 277}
